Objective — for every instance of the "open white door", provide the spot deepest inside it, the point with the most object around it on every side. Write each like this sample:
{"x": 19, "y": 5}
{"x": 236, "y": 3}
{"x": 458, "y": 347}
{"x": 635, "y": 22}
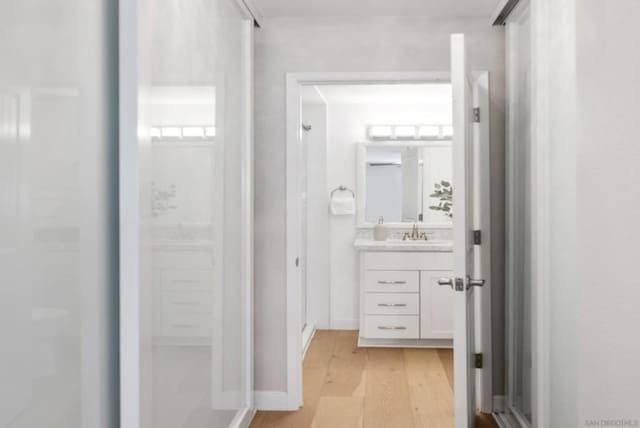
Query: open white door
{"x": 463, "y": 202}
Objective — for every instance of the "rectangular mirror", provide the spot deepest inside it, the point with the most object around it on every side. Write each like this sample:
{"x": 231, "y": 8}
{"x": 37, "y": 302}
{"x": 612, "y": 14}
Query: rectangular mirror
{"x": 405, "y": 183}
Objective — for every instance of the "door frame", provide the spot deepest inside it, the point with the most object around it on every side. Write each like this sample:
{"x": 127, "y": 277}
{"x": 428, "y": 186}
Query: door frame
{"x": 129, "y": 214}
{"x": 294, "y": 82}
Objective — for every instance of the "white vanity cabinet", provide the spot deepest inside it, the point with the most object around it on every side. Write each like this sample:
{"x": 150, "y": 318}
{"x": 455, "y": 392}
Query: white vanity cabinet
{"x": 401, "y": 303}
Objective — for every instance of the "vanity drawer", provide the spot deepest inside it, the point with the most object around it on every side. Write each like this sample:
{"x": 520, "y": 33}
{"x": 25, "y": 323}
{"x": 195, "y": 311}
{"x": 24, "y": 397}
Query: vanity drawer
{"x": 392, "y": 304}
{"x": 187, "y": 279}
{"x": 391, "y": 281}
{"x": 176, "y": 302}
{"x": 391, "y": 327}
{"x": 187, "y": 325}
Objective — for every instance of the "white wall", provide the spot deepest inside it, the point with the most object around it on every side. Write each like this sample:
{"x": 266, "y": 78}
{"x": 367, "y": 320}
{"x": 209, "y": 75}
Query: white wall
{"x": 593, "y": 83}
{"x": 350, "y": 44}
{"x": 607, "y": 159}
{"x": 317, "y": 260}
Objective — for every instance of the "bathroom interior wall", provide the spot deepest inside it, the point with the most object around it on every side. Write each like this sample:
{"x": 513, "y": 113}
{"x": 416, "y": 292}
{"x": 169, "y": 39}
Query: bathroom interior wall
{"x": 347, "y": 125}
{"x": 314, "y": 113}
{"x": 299, "y": 44}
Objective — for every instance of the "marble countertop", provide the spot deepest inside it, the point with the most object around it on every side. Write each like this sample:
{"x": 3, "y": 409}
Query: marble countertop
{"x": 400, "y": 245}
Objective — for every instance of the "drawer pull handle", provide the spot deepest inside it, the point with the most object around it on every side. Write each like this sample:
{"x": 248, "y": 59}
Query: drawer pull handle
{"x": 392, "y": 305}
{"x": 392, "y": 282}
{"x": 186, "y": 281}
{"x": 383, "y": 327}
{"x": 185, "y": 303}
{"x": 185, "y": 325}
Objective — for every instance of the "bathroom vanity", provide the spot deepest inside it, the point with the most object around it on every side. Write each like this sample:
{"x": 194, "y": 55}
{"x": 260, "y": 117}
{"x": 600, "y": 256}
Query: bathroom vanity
{"x": 401, "y": 303}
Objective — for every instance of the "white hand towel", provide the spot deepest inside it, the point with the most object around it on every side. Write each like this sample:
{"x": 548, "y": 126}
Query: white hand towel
{"x": 345, "y": 205}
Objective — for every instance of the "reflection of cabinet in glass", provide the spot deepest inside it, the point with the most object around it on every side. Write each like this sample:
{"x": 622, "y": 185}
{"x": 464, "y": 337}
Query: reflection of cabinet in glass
{"x": 400, "y": 299}
{"x": 184, "y": 295}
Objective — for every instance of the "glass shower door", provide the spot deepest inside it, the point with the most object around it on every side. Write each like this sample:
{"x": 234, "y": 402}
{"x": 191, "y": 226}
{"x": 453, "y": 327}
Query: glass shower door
{"x": 58, "y": 214}
{"x": 194, "y": 244}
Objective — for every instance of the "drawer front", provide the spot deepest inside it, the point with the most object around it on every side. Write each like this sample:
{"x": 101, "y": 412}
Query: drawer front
{"x": 391, "y": 281}
{"x": 187, "y": 279}
{"x": 187, "y": 325}
{"x": 392, "y": 304}
{"x": 187, "y": 301}
{"x": 391, "y": 327}
{"x": 407, "y": 260}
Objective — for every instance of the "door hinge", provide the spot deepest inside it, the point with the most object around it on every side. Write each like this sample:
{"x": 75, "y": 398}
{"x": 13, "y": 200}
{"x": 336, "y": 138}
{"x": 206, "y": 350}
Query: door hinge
{"x": 477, "y": 361}
{"x": 477, "y": 237}
{"x": 476, "y": 114}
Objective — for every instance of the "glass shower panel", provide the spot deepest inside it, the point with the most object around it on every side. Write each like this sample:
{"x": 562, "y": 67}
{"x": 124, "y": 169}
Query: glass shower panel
{"x": 192, "y": 113}
{"x": 58, "y": 214}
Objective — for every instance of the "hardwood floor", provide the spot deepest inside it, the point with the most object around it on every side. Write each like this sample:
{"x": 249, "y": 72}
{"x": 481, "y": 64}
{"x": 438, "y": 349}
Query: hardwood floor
{"x": 348, "y": 387}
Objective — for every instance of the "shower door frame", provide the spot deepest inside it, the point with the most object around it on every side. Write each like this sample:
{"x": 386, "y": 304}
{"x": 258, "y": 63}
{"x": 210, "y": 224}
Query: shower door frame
{"x": 129, "y": 214}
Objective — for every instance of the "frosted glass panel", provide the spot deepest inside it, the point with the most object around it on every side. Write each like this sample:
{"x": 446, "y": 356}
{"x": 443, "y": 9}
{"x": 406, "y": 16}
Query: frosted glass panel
{"x": 193, "y": 371}
{"x": 58, "y": 205}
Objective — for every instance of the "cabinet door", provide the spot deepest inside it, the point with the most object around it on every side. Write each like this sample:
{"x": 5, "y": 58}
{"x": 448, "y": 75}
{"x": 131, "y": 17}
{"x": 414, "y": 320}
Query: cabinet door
{"x": 436, "y": 306}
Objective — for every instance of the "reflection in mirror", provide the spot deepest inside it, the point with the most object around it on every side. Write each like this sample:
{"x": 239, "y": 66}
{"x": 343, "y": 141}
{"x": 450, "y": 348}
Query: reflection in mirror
{"x": 404, "y": 183}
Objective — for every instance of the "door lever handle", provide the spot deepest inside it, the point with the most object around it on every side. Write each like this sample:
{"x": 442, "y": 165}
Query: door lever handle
{"x": 445, "y": 281}
{"x": 475, "y": 282}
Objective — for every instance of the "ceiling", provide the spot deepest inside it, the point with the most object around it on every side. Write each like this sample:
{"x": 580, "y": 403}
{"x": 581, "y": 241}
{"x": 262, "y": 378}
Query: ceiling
{"x": 429, "y": 8}
{"x": 439, "y": 94}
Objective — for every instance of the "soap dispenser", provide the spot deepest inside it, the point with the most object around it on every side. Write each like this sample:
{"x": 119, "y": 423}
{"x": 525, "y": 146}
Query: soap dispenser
{"x": 380, "y": 230}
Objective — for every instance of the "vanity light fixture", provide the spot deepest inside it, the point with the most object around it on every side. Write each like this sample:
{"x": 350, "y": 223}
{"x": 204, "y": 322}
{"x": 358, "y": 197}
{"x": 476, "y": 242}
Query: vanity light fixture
{"x": 410, "y": 132}
{"x": 171, "y": 132}
{"x": 380, "y": 131}
{"x": 193, "y": 132}
{"x": 182, "y": 133}
{"x": 404, "y": 132}
{"x": 428, "y": 131}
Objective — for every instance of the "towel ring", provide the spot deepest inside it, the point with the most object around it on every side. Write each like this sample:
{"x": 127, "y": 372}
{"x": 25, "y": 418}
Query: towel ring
{"x": 343, "y": 189}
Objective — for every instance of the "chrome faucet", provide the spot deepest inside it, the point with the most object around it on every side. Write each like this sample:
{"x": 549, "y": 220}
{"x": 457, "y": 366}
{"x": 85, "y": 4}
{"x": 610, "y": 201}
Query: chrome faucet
{"x": 415, "y": 234}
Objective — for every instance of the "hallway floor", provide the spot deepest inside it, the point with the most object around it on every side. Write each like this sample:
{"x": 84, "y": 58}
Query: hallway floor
{"x": 346, "y": 386}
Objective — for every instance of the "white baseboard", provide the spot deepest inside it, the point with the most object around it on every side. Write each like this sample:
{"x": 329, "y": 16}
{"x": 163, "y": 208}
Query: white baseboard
{"x": 353, "y": 324}
{"x": 271, "y": 400}
{"x": 307, "y": 335}
{"x": 499, "y": 403}
{"x": 243, "y": 418}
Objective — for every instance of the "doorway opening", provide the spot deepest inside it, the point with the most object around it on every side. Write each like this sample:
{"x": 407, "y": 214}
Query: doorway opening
{"x": 311, "y": 130}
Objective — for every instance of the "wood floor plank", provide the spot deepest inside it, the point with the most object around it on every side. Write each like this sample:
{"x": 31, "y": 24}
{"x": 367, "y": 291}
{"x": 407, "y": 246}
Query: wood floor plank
{"x": 346, "y": 372}
{"x": 387, "y": 401}
{"x": 446, "y": 357}
{"x": 346, "y": 386}
{"x": 430, "y": 391}
{"x": 321, "y": 349}
{"x": 339, "y": 412}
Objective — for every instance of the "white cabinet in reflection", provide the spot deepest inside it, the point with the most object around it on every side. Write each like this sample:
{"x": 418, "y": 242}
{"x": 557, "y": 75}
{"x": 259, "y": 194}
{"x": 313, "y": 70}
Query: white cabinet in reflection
{"x": 185, "y": 294}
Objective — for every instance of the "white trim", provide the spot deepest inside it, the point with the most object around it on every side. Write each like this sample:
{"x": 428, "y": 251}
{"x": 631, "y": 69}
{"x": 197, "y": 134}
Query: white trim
{"x": 505, "y": 420}
{"x": 243, "y": 418}
{"x": 129, "y": 222}
{"x": 247, "y": 207}
{"x": 308, "y": 333}
{"x": 541, "y": 45}
{"x": 271, "y": 400}
{"x": 293, "y": 101}
{"x": 482, "y": 221}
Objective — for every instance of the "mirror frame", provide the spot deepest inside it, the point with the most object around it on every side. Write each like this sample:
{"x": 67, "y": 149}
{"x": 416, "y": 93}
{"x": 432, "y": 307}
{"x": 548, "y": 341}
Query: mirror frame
{"x": 361, "y": 182}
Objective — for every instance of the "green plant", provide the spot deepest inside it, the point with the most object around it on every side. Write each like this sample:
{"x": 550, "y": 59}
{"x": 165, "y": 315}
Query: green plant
{"x": 444, "y": 192}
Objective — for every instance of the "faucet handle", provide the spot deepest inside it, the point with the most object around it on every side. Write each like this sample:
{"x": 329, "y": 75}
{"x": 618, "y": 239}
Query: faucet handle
{"x": 423, "y": 236}
{"x": 405, "y": 236}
